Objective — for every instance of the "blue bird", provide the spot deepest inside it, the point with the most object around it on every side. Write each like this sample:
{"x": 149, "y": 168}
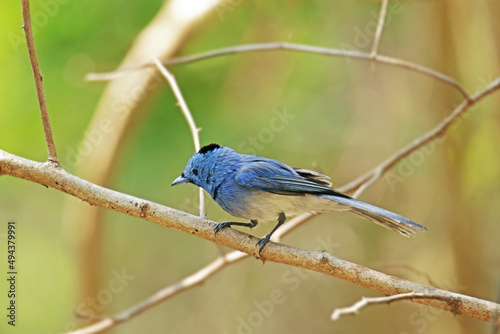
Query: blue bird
{"x": 256, "y": 188}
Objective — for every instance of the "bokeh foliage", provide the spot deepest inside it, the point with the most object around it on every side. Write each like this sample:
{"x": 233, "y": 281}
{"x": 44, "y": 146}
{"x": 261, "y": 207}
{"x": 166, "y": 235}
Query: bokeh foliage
{"x": 348, "y": 115}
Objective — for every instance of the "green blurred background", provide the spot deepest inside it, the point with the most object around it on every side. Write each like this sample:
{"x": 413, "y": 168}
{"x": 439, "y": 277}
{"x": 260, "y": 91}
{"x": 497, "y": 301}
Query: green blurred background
{"x": 345, "y": 116}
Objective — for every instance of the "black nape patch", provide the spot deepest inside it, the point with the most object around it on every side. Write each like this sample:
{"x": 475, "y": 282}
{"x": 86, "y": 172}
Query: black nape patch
{"x": 208, "y": 148}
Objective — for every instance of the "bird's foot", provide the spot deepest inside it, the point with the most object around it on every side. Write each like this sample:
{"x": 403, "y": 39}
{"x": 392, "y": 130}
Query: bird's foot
{"x": 262, "y": 242}
{"x": 221, "y": 226}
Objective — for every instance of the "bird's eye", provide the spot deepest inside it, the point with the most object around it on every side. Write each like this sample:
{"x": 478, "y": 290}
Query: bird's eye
{"x": 194, "y": 171}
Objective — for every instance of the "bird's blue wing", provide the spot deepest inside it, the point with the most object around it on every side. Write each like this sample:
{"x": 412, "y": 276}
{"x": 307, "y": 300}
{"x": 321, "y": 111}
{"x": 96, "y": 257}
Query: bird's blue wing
{"x": 278, "y": 178}
{"x": 275, "y": 177}
{"x": 314, "y": 176}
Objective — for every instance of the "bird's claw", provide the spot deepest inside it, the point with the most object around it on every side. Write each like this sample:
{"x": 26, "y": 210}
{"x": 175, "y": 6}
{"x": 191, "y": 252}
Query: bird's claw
{"x": 221, "y": 226}
{"x": 261, "y": 243}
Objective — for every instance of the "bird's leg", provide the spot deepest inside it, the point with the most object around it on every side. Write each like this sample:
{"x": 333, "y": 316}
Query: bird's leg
{"x": 262, "y": 242}
{"x": 251, "y": 224}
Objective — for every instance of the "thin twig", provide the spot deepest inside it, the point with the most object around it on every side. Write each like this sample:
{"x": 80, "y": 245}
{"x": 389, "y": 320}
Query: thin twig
{"x": 120, "y": 103}
{"x": 195, "y": 131}
{"x": 182, "y": 103}
{"x": 290, "y": 47}
{"x": 366, "y": 184}
{"x": 49, "y": 138}
{"x": 398, "y": 265}
{"x": 364, "y": 302}
{"x": 190, "y": 281}
{"x": 380, "y": 27}
{"x": 360, "y": 183}
{"x": 168, "y": 292}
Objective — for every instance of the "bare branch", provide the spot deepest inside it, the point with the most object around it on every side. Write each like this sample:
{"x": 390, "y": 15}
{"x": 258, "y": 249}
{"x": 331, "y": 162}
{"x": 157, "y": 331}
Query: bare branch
{"x": 193, "y": 280}
{"x": 182, "y": 103}
{"x": 405, "y": 266}
{"x": 49, "y": 138}
{"x": 120, "y": 103}
{"x": 367, "y": 179}
{"x": 195, "y": 131}
{"x": 57, "y": 178}
{"x": 380, "y": 27}
{"x": 166, "y": 293}
{"x": 321, "y": 262}
{"x": 291, "y": 47}
{"x": 354, "y": 309}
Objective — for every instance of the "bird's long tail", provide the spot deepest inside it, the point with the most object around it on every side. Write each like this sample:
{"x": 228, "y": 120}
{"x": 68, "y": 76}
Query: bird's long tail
{"x": 383, "y": 217}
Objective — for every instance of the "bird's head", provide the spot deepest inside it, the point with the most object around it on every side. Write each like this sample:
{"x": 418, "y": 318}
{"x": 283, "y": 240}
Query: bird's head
{"x": 200, "y": 166}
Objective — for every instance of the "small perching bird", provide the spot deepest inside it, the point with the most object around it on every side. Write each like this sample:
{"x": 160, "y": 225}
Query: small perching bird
{"x": 256, "y": 188}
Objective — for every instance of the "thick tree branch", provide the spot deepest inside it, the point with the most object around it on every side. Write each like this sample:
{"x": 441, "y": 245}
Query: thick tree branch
{"x": 290, "y": 47}
{"x": 55, "y": 177}
{"x": 47, "y": 129}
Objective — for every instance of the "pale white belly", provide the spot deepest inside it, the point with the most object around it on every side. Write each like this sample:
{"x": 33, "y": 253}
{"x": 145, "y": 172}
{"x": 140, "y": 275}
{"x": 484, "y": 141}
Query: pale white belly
{"x": 267, "y": 206}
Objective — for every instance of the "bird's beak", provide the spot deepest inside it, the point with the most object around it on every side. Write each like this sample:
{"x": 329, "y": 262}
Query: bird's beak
{"x": 181, "y": 179}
